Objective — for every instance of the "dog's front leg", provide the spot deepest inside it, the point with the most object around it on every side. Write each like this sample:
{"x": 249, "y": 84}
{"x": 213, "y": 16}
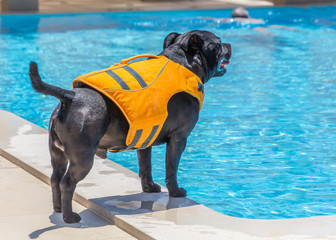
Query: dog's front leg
{"x": 175, "y": 148}
{"x": 145, "y": 171}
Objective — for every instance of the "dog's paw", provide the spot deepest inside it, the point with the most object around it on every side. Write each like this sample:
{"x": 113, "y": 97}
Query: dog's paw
{"x": 180, "y": 192}
{"x": 72, "y": 218}
{"x": 151, "y": 188}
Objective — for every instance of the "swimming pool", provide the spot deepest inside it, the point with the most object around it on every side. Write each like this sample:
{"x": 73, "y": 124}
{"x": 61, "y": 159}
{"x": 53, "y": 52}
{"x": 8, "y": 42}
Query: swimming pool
{"x": 264, "y": 146}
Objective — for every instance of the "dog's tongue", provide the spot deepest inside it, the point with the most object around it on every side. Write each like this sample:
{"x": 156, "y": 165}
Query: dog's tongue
{"x": 224, "y": 63}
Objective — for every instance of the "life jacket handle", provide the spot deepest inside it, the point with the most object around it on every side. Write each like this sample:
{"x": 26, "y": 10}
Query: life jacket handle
{"x": 127, "y": 60}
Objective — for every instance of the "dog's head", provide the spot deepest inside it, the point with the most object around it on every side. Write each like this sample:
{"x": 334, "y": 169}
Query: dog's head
{"x": 200, "y": 51}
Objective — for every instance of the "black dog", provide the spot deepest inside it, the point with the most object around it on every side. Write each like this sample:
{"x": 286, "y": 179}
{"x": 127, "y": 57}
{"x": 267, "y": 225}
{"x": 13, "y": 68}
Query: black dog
{"x": 86, "y": 123}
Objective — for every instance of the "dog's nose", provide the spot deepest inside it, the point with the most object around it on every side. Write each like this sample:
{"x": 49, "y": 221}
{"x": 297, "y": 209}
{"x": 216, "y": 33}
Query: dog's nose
{"x": 227, "y": 50}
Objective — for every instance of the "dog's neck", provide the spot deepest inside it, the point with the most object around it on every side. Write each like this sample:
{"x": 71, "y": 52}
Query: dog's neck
{"x": 193, "y": 63}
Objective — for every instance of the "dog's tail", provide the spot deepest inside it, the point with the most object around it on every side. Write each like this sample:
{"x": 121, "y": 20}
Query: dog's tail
{"x": 65, "y": 96}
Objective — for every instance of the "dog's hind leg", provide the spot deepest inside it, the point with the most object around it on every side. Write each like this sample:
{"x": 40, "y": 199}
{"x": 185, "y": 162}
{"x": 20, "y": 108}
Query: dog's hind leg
{"x": 80, "y": 165}
{"x": 59, "y": 164}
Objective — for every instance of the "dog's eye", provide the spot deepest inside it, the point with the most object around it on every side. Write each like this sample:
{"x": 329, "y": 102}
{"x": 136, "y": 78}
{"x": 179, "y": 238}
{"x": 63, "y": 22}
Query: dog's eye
{"x": 214, "y": 46}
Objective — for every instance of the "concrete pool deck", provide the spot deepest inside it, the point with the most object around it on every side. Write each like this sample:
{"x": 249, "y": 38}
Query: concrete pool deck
{"x": 75, "y": 6}
{"x": 47, "y": 6}
{"x": 114, "y": 192}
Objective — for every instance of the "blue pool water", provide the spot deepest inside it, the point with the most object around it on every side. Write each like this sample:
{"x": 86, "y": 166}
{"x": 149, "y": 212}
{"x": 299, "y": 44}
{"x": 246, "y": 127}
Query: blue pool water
{"x": 265, "y": 143}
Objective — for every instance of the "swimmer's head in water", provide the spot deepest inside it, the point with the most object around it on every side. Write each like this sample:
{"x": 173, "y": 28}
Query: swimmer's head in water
{"x": 240, "y": 13}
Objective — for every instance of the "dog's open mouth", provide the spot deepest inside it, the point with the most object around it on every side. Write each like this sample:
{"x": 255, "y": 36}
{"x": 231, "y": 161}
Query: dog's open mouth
{"x": 222, "y": 64}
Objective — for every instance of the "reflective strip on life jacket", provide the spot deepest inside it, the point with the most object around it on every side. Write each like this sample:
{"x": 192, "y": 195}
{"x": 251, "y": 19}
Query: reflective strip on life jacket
{"x": 136, "y": 76}
{"x": 138, "y": 136}
{"x": 119, "y": 80}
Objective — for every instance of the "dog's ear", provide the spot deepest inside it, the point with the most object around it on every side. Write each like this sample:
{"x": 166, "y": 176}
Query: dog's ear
{"x": 169, "y": 40}
{"x": 193, "y": 43}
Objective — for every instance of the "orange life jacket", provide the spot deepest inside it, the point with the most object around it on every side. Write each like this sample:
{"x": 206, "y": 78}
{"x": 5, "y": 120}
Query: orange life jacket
{"x": 142, "y": 90}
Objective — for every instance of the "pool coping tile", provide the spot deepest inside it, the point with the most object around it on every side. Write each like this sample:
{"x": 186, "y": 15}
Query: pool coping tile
{"x": 114, "y": 193}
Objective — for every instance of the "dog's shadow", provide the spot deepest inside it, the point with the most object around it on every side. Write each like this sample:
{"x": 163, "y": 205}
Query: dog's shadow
{"x": 141, "y": 203}
{"x": 89, "y": 220}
